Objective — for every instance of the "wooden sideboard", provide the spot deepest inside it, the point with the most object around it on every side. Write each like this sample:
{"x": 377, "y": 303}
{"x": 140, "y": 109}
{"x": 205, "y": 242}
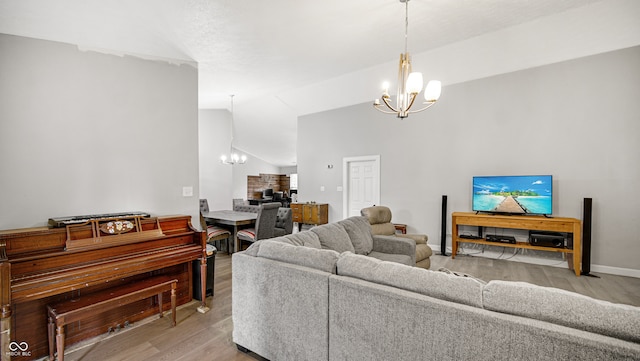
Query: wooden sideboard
{"x": 310, "y": 213}
{"x": 539, "y": 223}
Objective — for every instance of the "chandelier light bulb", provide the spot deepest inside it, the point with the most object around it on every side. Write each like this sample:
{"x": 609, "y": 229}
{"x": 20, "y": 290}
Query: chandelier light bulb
{"x": 414, "y": 83}
{"x": 385, "y": 87}
{"x": 432, "y": 91}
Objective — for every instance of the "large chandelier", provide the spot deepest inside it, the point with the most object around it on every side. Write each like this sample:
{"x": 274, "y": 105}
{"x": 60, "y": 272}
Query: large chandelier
{"x": 409, "y": 84}
{"x": 232, "y": 158}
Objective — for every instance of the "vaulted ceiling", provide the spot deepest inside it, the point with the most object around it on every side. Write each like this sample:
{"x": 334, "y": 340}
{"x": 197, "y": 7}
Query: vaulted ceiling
{"x": 269, "y": 53}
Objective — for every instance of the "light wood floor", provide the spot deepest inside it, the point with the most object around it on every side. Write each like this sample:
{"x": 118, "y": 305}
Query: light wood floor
{"x": 612, "y": 288}
{"x": 208, "y": 336}
{"x": 196, "y": 336}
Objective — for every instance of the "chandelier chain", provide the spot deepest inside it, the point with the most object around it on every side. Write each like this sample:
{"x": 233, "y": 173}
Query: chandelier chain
{"x": 406, "y": 26}
{"x": 233, "y": 158}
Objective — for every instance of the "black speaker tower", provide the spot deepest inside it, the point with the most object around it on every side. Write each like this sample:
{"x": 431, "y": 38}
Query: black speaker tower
{"x": 443, "y": 232}
{"x": 586, "y": 237}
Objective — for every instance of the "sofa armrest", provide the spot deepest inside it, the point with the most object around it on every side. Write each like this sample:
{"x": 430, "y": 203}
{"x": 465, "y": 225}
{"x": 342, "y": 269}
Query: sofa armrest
{"x": 395, "y": 245}
{"x": 418, "y": 238}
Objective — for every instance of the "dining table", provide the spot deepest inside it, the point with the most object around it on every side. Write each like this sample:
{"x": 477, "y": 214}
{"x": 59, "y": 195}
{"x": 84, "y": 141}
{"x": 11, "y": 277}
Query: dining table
{"x": 232, "y": 220}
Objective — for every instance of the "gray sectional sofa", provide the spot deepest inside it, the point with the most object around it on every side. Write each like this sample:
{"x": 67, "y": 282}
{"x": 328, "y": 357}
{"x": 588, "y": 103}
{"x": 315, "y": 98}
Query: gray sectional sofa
{"x": 296, "y": 298}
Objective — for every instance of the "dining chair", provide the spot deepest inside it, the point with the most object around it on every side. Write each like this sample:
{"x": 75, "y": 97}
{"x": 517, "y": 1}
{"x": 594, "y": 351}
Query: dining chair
{"x": 284, "y": 222}
{"x": 204, "y": 206}
{"x": 264, "y": 227}
{"x": 214, "y": 233}
{"x": 239, "y": 202}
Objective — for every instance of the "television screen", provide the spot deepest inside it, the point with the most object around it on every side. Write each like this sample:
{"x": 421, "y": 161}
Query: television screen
{"x": 513, "y": 194}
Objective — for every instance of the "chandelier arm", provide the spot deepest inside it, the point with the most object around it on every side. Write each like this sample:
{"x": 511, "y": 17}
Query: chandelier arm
{"x": 413, "y": 99}
{"x": 423, "y": 109}
{"x": 386, "y": 102}
{"x": 377, "y": 107}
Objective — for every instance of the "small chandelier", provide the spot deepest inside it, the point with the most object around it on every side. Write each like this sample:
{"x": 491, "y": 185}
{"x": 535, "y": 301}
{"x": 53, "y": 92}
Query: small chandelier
{"x": 409, "y": 84}
{"x": 232, "y": 158}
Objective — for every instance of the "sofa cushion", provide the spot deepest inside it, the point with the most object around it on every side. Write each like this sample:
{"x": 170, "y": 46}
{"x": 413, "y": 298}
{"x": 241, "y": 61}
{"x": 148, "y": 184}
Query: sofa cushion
{"x": 253, "y": 249}
{"x": 320, "y": 259}
{"x": 359, "y": 231}
{"x": 333, "y": 236}
{"x": 564, "y": 308}
{"x": 306, "y": 238}
{"x": 434, "y": 284}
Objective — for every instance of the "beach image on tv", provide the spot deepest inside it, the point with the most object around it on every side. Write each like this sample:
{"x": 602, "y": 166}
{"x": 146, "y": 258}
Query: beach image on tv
{"x": 513, "y": 194}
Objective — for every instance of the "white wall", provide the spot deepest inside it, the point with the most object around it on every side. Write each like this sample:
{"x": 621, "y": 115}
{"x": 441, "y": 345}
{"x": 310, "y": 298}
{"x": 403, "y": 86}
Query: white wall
{"x": 288, "y": 170}
{"x": 83, "y": 132}
{"x": 576, "y": 120}
{"x": 220, "y": 183}
{"x": 214, "y": 137}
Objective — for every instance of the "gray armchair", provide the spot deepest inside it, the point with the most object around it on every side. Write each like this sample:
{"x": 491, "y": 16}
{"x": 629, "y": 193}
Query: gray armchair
{"x": 380, "y": 220}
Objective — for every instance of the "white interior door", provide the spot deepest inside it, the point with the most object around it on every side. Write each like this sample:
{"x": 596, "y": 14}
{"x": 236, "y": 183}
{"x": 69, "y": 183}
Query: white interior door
{"x": 361, "y": 184}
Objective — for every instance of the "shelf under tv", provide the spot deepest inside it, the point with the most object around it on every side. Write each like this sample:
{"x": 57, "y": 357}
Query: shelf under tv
{"x": 539, "y": 223}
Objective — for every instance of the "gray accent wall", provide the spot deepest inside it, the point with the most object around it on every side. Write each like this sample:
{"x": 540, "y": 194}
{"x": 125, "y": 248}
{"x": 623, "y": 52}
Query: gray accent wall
{"x": 578, "y": 120}
{"x": 87, "y": 132}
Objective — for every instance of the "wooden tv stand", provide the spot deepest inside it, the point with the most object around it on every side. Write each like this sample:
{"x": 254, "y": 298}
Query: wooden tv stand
{"x": 539, "y": 223}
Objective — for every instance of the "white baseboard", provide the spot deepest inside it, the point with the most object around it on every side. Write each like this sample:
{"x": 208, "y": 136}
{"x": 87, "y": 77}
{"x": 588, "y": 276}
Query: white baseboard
{"x": 507, "y": 256}
{"x": 629, "y": 272}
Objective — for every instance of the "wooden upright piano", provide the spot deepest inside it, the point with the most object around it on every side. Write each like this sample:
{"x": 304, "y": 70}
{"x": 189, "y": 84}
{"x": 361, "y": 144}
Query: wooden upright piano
{"x": 40, "y": 266}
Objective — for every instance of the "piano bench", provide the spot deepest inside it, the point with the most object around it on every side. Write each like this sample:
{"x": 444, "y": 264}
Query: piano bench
{"x": 74, "y": 310}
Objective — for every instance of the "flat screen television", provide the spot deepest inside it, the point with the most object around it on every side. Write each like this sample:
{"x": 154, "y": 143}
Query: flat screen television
{"x": 530, "y": 194}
